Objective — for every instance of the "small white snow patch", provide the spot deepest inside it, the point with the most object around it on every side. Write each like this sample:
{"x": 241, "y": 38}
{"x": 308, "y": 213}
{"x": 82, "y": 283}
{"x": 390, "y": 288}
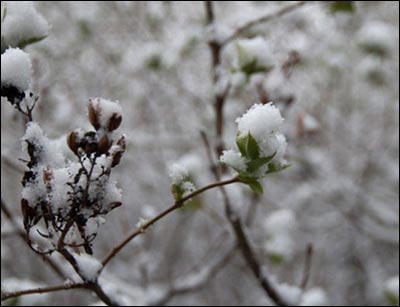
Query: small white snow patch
{"x": 178, "y": 173}
{"x": 314, "y": 297}
{"x": 89, "y": 266}
{"x": 234, "y": 159}
{"x": 290, "y": 294}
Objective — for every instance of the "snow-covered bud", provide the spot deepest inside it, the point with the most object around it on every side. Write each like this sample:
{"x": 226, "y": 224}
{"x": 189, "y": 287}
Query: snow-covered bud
{"x": 261, "y": 145}
{"x": 16, "y": 70}
{"x": 182, "y": 184}
{"x": 252, "y": 56}
{"x": 104, "y": 114}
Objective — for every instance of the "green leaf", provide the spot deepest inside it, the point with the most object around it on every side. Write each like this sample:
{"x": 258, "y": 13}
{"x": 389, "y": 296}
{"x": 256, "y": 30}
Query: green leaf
{"x": 342, "y": 6}
{"x": 255, "y": 164}
{"x": 248, "y": 147}
{"x": 256, "y": 187}
{"x": 272, "y": 168}
{"x": 241, "y": 144}
{"x": 24, "y": 43}
{"x": 253, "y": 151}
{"x": 252, "y": 183}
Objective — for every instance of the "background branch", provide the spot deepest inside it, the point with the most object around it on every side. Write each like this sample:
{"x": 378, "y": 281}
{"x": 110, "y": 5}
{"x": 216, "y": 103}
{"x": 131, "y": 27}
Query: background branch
{"x": 263, "y": 19}
{"x": 8, "y": 295}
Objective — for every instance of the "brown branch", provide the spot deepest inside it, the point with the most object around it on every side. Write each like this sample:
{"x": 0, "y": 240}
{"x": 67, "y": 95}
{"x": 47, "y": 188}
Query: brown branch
{"x": 8, "y": 295}
{"x": 263, "y": 19}
{"x": 219, "y": 100}
{"x": 248, "y": 253}
{"x": 178, "y": 204}
{"x": 307, "y": 266}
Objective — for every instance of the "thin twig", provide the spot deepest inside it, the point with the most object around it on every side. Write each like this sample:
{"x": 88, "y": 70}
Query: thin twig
{"x": 8, "y": 295}
{"x": 263, "y": 19}
{"x": 307, "y": 266}
{"x": 178, "y": 204}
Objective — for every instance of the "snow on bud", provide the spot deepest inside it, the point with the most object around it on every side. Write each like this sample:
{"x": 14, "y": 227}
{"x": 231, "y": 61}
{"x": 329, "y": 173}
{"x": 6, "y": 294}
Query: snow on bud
{"x": 104, "y": 114}
{"x": 21, "y": 24}
{"x": 182, "y": 184}
{"x": 260, "y": 143}
{"x": 233, "y": 159}
{"x": 252, "y": 56}
{"x": 16, "y": 69}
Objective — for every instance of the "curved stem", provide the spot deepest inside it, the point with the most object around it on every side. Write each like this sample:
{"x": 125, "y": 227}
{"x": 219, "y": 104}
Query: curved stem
{"x": 8, "y": 295}
{"x": 178, "y": 204}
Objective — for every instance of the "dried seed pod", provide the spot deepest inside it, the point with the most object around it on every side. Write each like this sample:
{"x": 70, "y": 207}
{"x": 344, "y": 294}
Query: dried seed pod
{"x": 104, "y": 145}
{"x": 94, "y": 115}
{"x": 73, "y": 141}
{"x": 114, "y": 122}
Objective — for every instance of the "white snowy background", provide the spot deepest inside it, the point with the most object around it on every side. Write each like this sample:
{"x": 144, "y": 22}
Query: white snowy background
{"x": 341, "y": 193}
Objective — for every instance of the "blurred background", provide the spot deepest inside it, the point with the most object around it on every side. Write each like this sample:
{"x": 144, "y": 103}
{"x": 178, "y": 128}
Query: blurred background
{"x": 336, "y": 83}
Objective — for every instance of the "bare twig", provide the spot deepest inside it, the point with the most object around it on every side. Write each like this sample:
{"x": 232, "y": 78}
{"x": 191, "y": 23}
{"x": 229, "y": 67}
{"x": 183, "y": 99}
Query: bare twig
{"x": 307, "y": 266}
{"x": 8, "y": 295}
{"x": 263, "y": 19}
{"x": 178, "y": 204}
